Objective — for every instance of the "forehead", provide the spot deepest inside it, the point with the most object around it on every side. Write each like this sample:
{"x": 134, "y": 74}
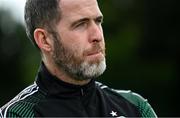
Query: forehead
{"x": 80, "y": 8}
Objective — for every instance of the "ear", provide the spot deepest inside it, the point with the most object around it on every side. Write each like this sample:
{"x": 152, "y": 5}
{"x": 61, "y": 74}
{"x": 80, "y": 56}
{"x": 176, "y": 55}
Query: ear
{"x": 42, "y": 39}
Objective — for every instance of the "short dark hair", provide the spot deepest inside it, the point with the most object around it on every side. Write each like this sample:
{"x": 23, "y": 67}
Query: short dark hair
{"x": 41, "y": 14}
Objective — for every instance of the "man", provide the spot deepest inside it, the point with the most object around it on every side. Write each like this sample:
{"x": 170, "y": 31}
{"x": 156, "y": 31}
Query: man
{"x": 69, "y": 36}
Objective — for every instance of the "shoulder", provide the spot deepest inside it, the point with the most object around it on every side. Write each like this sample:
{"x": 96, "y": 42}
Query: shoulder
{"x": 137, "y": 100}
{"x": 132, "y": 97}
{"x": 22, "y": 105}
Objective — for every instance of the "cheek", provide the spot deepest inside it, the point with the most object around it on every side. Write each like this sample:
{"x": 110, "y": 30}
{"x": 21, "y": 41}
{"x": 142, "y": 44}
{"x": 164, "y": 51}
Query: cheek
{"x": 78, "y": 48}
{"x": 74, "y": 48}
{"x": 75, "y": 41}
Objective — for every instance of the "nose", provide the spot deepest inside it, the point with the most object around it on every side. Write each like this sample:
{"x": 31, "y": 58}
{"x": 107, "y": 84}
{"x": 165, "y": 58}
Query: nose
{"x": 95, "y": 33}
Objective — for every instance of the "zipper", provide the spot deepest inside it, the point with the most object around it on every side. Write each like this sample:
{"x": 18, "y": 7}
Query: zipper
{"x": 82, "y": 92}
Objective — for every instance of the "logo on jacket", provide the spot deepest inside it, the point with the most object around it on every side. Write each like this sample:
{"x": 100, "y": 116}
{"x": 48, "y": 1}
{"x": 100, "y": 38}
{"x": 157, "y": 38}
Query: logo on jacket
{"x": 114, "y": 114}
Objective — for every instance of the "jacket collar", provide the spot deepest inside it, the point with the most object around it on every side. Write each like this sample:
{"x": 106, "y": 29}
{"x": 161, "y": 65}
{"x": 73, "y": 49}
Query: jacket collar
{"x": 51, "y": 85}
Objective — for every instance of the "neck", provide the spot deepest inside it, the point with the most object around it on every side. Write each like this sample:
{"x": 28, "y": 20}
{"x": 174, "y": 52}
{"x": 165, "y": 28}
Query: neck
{"x": 63, "y": 76}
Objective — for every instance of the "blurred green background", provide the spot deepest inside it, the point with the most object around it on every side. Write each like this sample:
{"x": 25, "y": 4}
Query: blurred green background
{"x": 142, "y": 45}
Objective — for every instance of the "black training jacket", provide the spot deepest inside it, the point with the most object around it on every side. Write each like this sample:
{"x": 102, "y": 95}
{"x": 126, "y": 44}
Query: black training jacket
{"x": 51, "y": 97}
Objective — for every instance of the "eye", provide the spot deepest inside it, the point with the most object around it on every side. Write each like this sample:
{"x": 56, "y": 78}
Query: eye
{"x": 81, "y": 24}
{"x": 99, "y": 20}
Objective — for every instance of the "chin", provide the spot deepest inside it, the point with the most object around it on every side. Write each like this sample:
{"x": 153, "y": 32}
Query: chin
{"x": 93, "y": 70}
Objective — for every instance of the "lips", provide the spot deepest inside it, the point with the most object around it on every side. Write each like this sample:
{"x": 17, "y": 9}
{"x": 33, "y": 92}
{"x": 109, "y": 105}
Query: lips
{"x": 94, "y": 53}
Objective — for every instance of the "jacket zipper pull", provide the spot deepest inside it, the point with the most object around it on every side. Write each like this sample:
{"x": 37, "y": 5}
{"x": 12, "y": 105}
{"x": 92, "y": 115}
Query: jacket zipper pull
{"x": 82, "y": 92}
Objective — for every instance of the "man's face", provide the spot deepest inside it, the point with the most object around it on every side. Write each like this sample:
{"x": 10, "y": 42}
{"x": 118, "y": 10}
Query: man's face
{"x": 79, "y": 47}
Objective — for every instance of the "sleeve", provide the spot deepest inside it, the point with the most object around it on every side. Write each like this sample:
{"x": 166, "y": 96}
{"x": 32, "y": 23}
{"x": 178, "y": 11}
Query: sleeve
{"x": 16, "y": 111}
{"x": 144, "y": 107}
{"x": 10, "y": 115}
{"x": 142, "y": 104}
{"x": 1, "y": 113}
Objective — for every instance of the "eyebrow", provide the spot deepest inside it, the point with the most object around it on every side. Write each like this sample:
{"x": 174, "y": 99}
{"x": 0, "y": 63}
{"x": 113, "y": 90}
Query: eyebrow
{"x": 85, "y": 19}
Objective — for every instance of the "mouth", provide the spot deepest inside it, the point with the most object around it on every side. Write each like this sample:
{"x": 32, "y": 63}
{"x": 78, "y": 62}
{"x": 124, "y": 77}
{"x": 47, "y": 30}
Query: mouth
{"x": 95, "y": 54}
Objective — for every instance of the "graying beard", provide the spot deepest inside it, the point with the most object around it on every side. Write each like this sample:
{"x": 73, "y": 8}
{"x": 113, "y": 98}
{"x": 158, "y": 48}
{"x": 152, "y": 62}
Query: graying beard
{"x": 81, "y": 71}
